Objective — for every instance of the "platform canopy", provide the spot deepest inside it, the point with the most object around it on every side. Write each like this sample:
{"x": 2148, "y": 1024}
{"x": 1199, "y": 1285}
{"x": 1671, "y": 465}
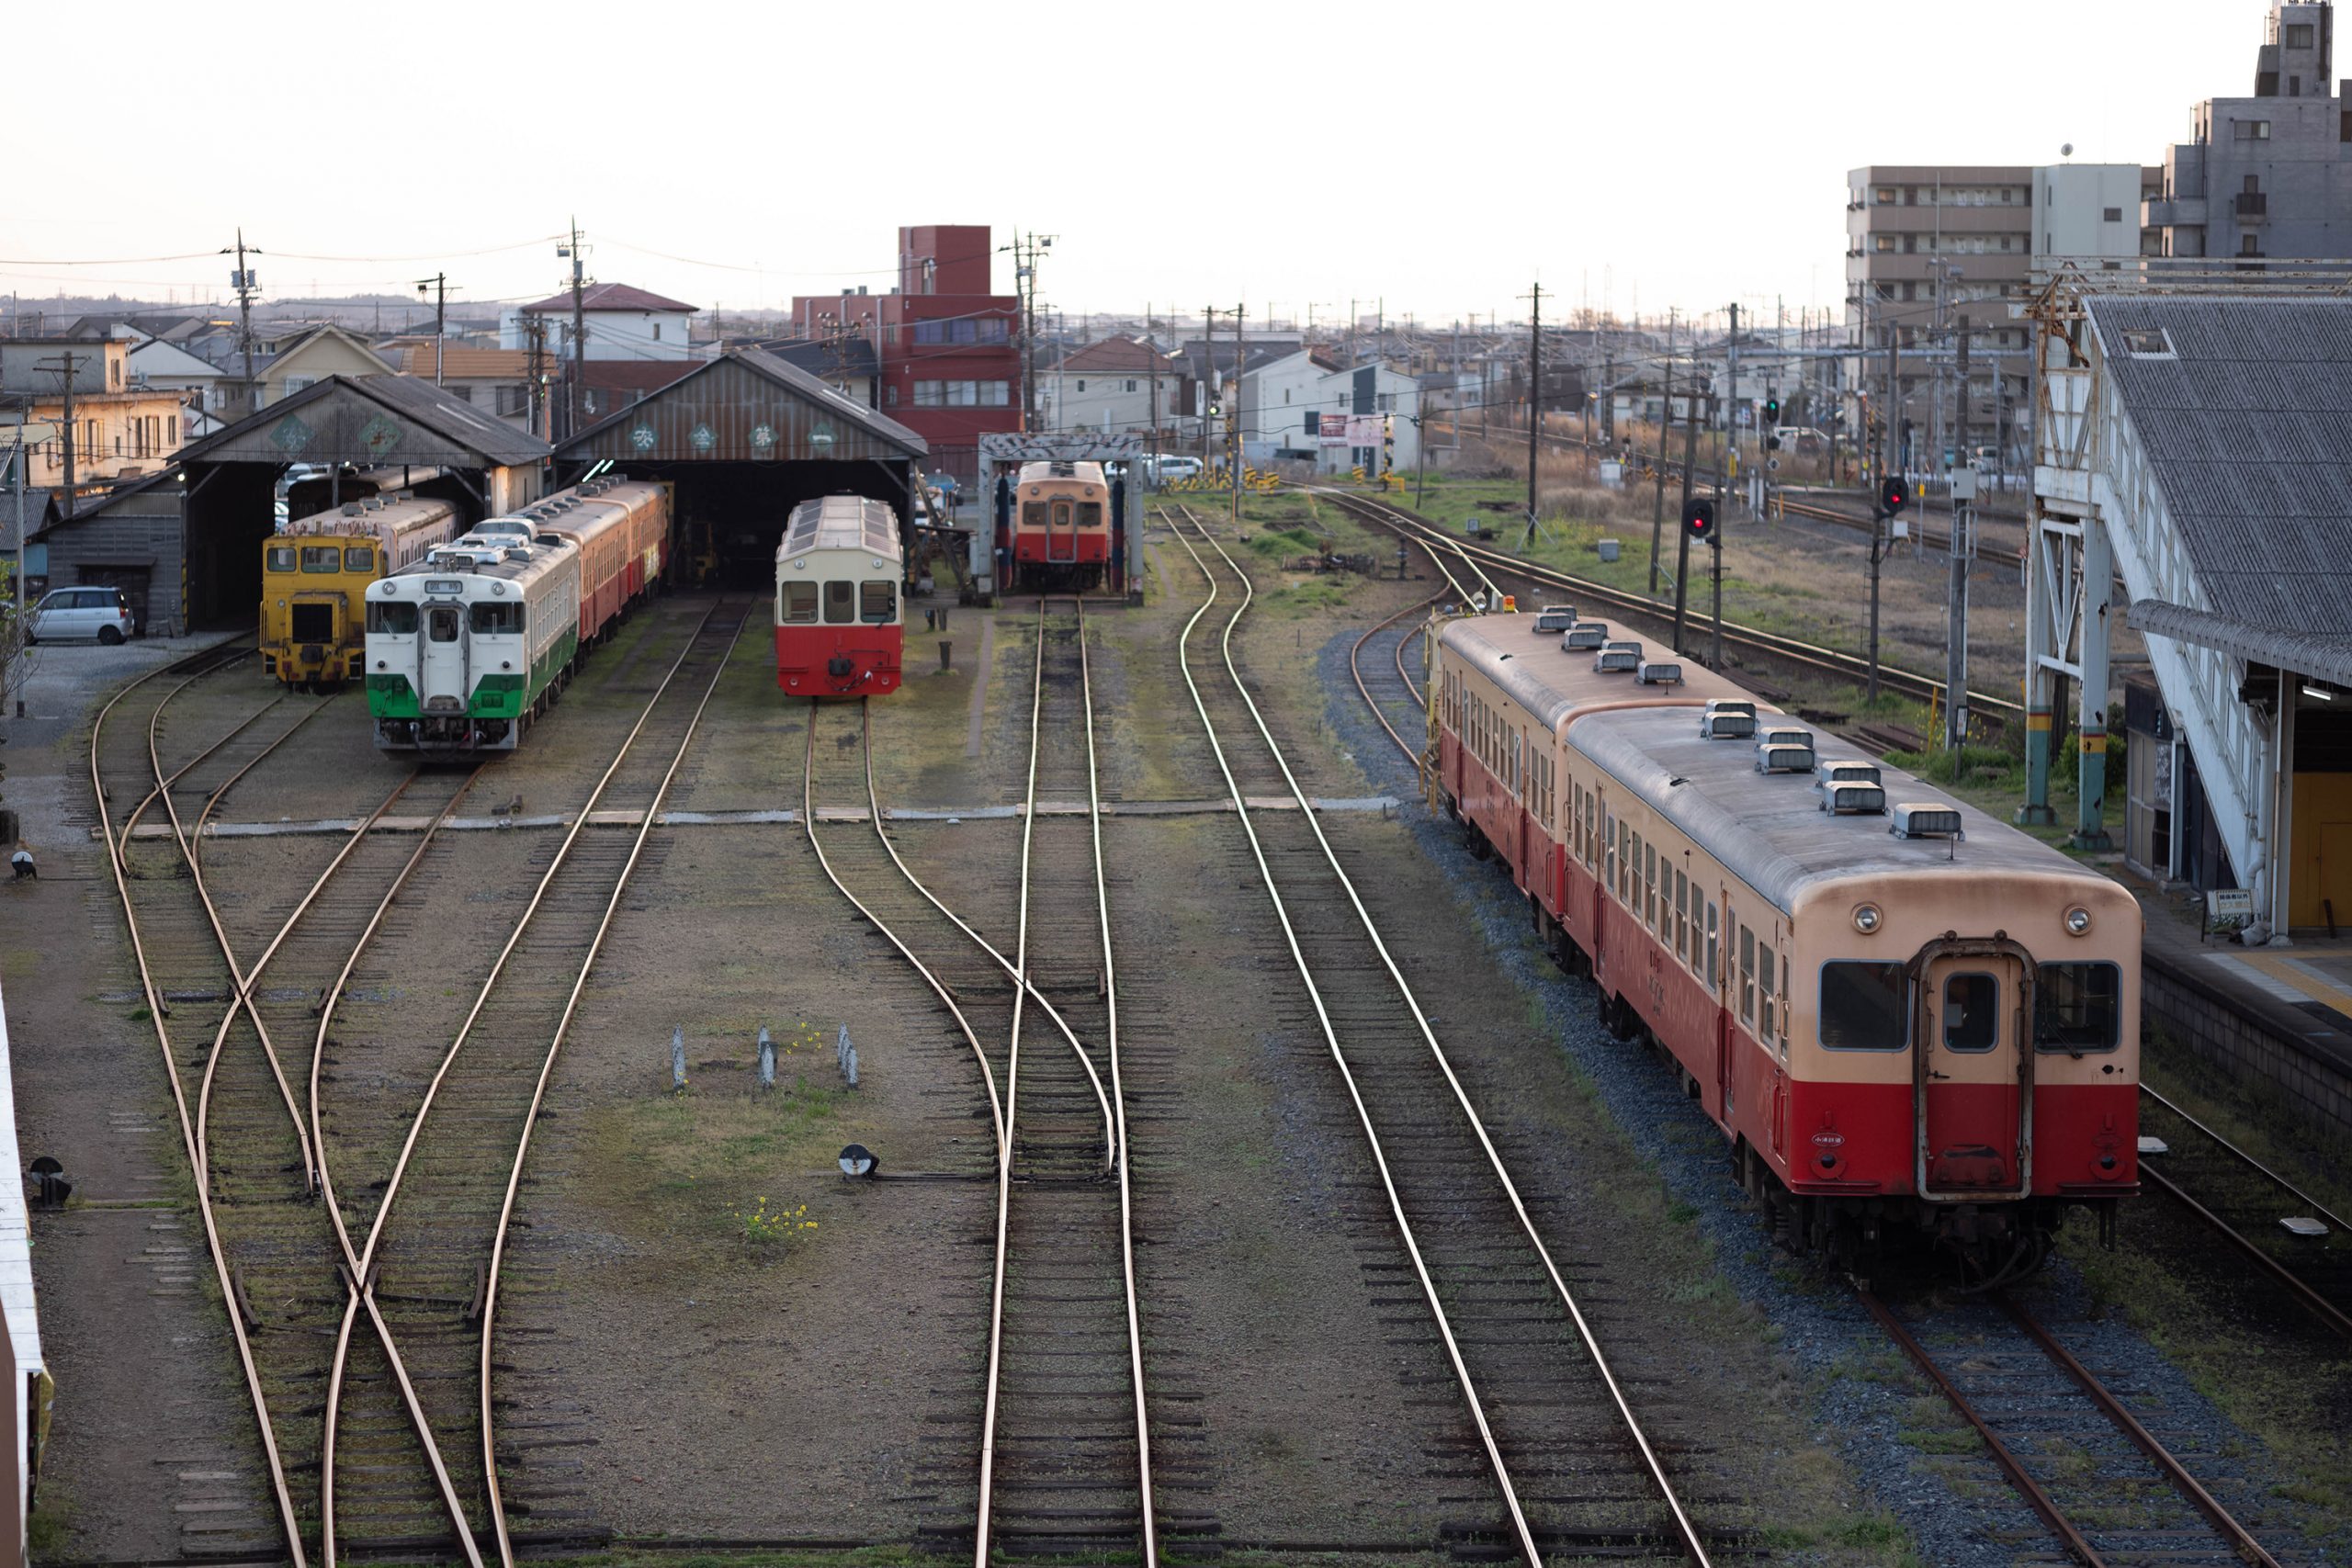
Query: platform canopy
{"x": 746, "y": 406}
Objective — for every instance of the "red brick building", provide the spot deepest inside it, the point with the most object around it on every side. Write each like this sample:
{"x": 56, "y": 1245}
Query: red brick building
{"x": 949, "y": 350}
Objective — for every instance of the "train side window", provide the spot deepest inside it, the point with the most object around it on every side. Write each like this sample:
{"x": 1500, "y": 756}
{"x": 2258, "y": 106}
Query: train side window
{"x": 441, "y": 622}
{"x": 841, "y": 602}
{"x": 497, "y": 620}
{"x": 1608, "y": 854}
{"x": 1972, "y": 1012}
{"x": 1864, "y": 1007}
{"x": 281, "y": 558}
{"x": 878, "y": 602}
{"x": 1714, "y": 982}
{"x": 359, "y": 558}
{"x": 1682, "y": 916}
{"x": 800, "y": 602}
{"x": 1767, "y": 990}
{"x": 1746, "y": 977}
{"x": 397, "y": 619}
{"x": 2076, "y": 1007}
{"x": 1649, "y": 886}
{"x": 321, "y": 558}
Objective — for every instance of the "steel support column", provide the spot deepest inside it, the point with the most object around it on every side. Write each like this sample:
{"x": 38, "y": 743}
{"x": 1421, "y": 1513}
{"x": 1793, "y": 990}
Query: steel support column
{"x": 2093, "y": 593}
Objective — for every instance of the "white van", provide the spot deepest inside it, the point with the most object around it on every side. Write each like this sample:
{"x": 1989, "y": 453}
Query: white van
{"x": 66, "y": 613}
{"x": 1177, "y": 468}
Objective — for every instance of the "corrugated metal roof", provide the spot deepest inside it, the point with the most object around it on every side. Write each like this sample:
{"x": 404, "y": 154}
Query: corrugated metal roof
{"x": 2305, "y": 653}
{"x": 370, "y": 420}
{"x": 748, "y": 406}
{"x": 2247, "y": 425}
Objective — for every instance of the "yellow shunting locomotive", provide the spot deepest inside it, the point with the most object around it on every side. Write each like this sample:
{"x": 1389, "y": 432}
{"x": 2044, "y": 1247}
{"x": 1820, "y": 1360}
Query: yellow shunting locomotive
{"x": 315, "y": 573}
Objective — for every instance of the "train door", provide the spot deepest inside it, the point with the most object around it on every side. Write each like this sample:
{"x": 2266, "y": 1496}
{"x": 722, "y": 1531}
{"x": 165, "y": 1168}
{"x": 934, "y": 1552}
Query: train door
{"x": 1972, "y": 1070}
{"x": 1061, "y": 532}
{"x": 441, "y": 667}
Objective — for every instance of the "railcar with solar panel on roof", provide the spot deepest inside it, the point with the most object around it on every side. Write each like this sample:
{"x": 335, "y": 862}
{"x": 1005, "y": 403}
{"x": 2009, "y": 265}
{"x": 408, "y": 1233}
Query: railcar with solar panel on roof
{"x": 1910, "y": 1021}
{"x": 837, "y": 572}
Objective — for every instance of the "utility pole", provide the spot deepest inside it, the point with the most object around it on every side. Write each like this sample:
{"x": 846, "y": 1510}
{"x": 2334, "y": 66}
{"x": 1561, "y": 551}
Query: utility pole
{"x": 439, "y": 283}
{"x": 242, "y": 281}
{"x": 1151, "y": 341}
{"x": 535, "y": 332}
{"x": 65, "y": 366}
{"x": 1665, "y": 430}
{"x": 1534, "y": 403}
{"x": 1878, "y": 514}
{"x": 1964, "y": 548}
{"x": 1716, "y": 565}
{"x": 579, "y": 330}
{"x": 1731, "y": 406}
{"x": 1681, "y": 530}
{"x": 1233, "y": 448}
{"x": 1609, "y": 401}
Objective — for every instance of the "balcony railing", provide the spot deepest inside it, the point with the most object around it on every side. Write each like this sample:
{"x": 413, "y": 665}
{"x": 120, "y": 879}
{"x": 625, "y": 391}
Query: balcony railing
{"x": 2253, "y": 205}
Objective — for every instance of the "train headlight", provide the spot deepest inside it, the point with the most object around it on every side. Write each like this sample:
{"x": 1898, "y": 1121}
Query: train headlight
{"x": 1866, "y": 917}
{"x": 498, "y": 587}
{"x": 2078, "y": 921}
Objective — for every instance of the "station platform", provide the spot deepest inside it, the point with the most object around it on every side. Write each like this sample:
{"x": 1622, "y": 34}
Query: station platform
{"x": 2277, "y": 1014}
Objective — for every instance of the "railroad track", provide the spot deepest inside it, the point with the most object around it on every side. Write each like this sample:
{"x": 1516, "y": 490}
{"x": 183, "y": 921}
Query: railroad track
{"x": 2110, "y": 1492}
{"x": 1547, "y": 1441}
{"x": 2248, "y": 1206}
{"x": 1060, "y": 1461}
{"x": 429, "y": 1228}
{"x": 1487, "y": 566}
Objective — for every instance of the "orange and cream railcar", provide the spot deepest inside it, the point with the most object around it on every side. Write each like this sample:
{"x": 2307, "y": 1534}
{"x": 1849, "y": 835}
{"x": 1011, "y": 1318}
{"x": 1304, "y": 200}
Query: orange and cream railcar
{"x": 621, "y": 529}
{"x": 1907, "y": 1018}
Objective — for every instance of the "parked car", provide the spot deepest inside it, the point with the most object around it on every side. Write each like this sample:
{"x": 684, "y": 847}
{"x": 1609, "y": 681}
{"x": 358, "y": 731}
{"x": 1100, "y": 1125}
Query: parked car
{"x": 1179, "y": 468}
{"x": 66, "y": 613}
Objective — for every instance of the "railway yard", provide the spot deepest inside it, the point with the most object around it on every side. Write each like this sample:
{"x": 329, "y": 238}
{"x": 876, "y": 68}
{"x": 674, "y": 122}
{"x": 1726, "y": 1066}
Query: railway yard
{"x": 1087, "y": 1105}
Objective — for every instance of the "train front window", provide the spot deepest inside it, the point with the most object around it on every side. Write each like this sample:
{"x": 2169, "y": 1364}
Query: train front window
{"x": 1862, "y": 1006}
{"x": 1971, "y": 1013}
{"x": 800, "y": 604}
{"x": 1090, "y": 514}
{"x": 322, "y": 558}
{"x": 2077, "y": 1007}
{"x": 878, "y": 602}
{"x": 397, "y": 619}
{"x": 281, "y": 558}
{"x": 359, "y": 558}
{"x": 441, "y": 622}
{"x": 1034, "y": 514}
{"x": 840, "y": 604}
{"x": 495, "y": 620}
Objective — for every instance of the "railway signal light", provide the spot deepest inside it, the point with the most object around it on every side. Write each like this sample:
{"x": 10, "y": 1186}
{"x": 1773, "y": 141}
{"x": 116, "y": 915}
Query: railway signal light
{"x": 1894, "y": 495}
{"x": 1771, "y": 411}
{"x": 1699, "y": 521}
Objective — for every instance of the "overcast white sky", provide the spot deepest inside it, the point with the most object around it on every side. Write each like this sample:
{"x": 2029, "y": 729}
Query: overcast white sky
{"x": 1436, "y": 157}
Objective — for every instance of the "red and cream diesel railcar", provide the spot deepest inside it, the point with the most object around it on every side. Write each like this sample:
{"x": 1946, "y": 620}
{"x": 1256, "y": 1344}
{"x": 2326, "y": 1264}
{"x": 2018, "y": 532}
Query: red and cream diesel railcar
{"x": 1907, "y": 1018}
{"x": 838, "y": 626}
{"x": 1060, "y": 527}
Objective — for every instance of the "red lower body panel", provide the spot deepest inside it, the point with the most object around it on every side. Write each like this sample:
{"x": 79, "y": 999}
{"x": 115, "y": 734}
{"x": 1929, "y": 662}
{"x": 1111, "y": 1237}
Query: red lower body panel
{"x": 838, "y": 661}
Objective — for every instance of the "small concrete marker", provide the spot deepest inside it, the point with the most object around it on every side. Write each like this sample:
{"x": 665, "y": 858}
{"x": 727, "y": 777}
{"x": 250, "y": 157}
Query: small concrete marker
{"x": 767, "y": 1059}
{"x": 678, "y": 1061}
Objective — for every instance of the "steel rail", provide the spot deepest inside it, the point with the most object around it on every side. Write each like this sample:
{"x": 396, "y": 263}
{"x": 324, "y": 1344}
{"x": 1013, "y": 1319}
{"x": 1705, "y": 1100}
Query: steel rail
{"x": 212, "y": 800}
{"x": 1118, "y": 1099}
{"x": 1828, "y": 661}
{"x": 1021, "y": 990}
{"x": 939, "y": 987}
{"x": 1412, "y": 687}
{"x": 1522, "y": 1534}
{"x": 365, "y": 1273}
{"x": 2036, "y": 1497}
{"x": 2246, "y": 1160}
{"x": 547, "y": 1070}
{"x": 220, "y": 935}
{"x": 1356, "y": 670}
{"x": 2310, "y": 1301}
{"x": 2241, "y": 1540}
{"x": 1684, "y": 1531}
{"x": 272, "y": 1460}
{"x": 348, "y": 1267}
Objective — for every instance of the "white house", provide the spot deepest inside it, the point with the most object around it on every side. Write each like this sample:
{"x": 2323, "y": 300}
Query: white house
{"x": 1283, "y": 397}
{"x": 1116, "y": 386}
{"x": 622, "y": 322}
{"x": 154, "y": 363}
{"x": 1377, "y": 392}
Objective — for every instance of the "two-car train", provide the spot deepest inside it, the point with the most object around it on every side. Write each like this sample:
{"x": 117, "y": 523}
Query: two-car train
{"x": 466, "y": 647}
{"x": 1910, "y": 1021}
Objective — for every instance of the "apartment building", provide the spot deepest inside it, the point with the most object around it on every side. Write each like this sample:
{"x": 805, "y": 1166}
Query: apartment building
{"x": 2270, "y": 174}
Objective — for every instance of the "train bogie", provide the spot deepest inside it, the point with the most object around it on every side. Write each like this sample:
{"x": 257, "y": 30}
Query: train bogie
{"x": 839, "y": 620}
{"x": 1907, "y": 1019}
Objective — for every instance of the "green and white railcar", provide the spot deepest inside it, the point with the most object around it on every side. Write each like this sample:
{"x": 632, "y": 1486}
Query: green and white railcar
{"x": 468, "y": 646}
